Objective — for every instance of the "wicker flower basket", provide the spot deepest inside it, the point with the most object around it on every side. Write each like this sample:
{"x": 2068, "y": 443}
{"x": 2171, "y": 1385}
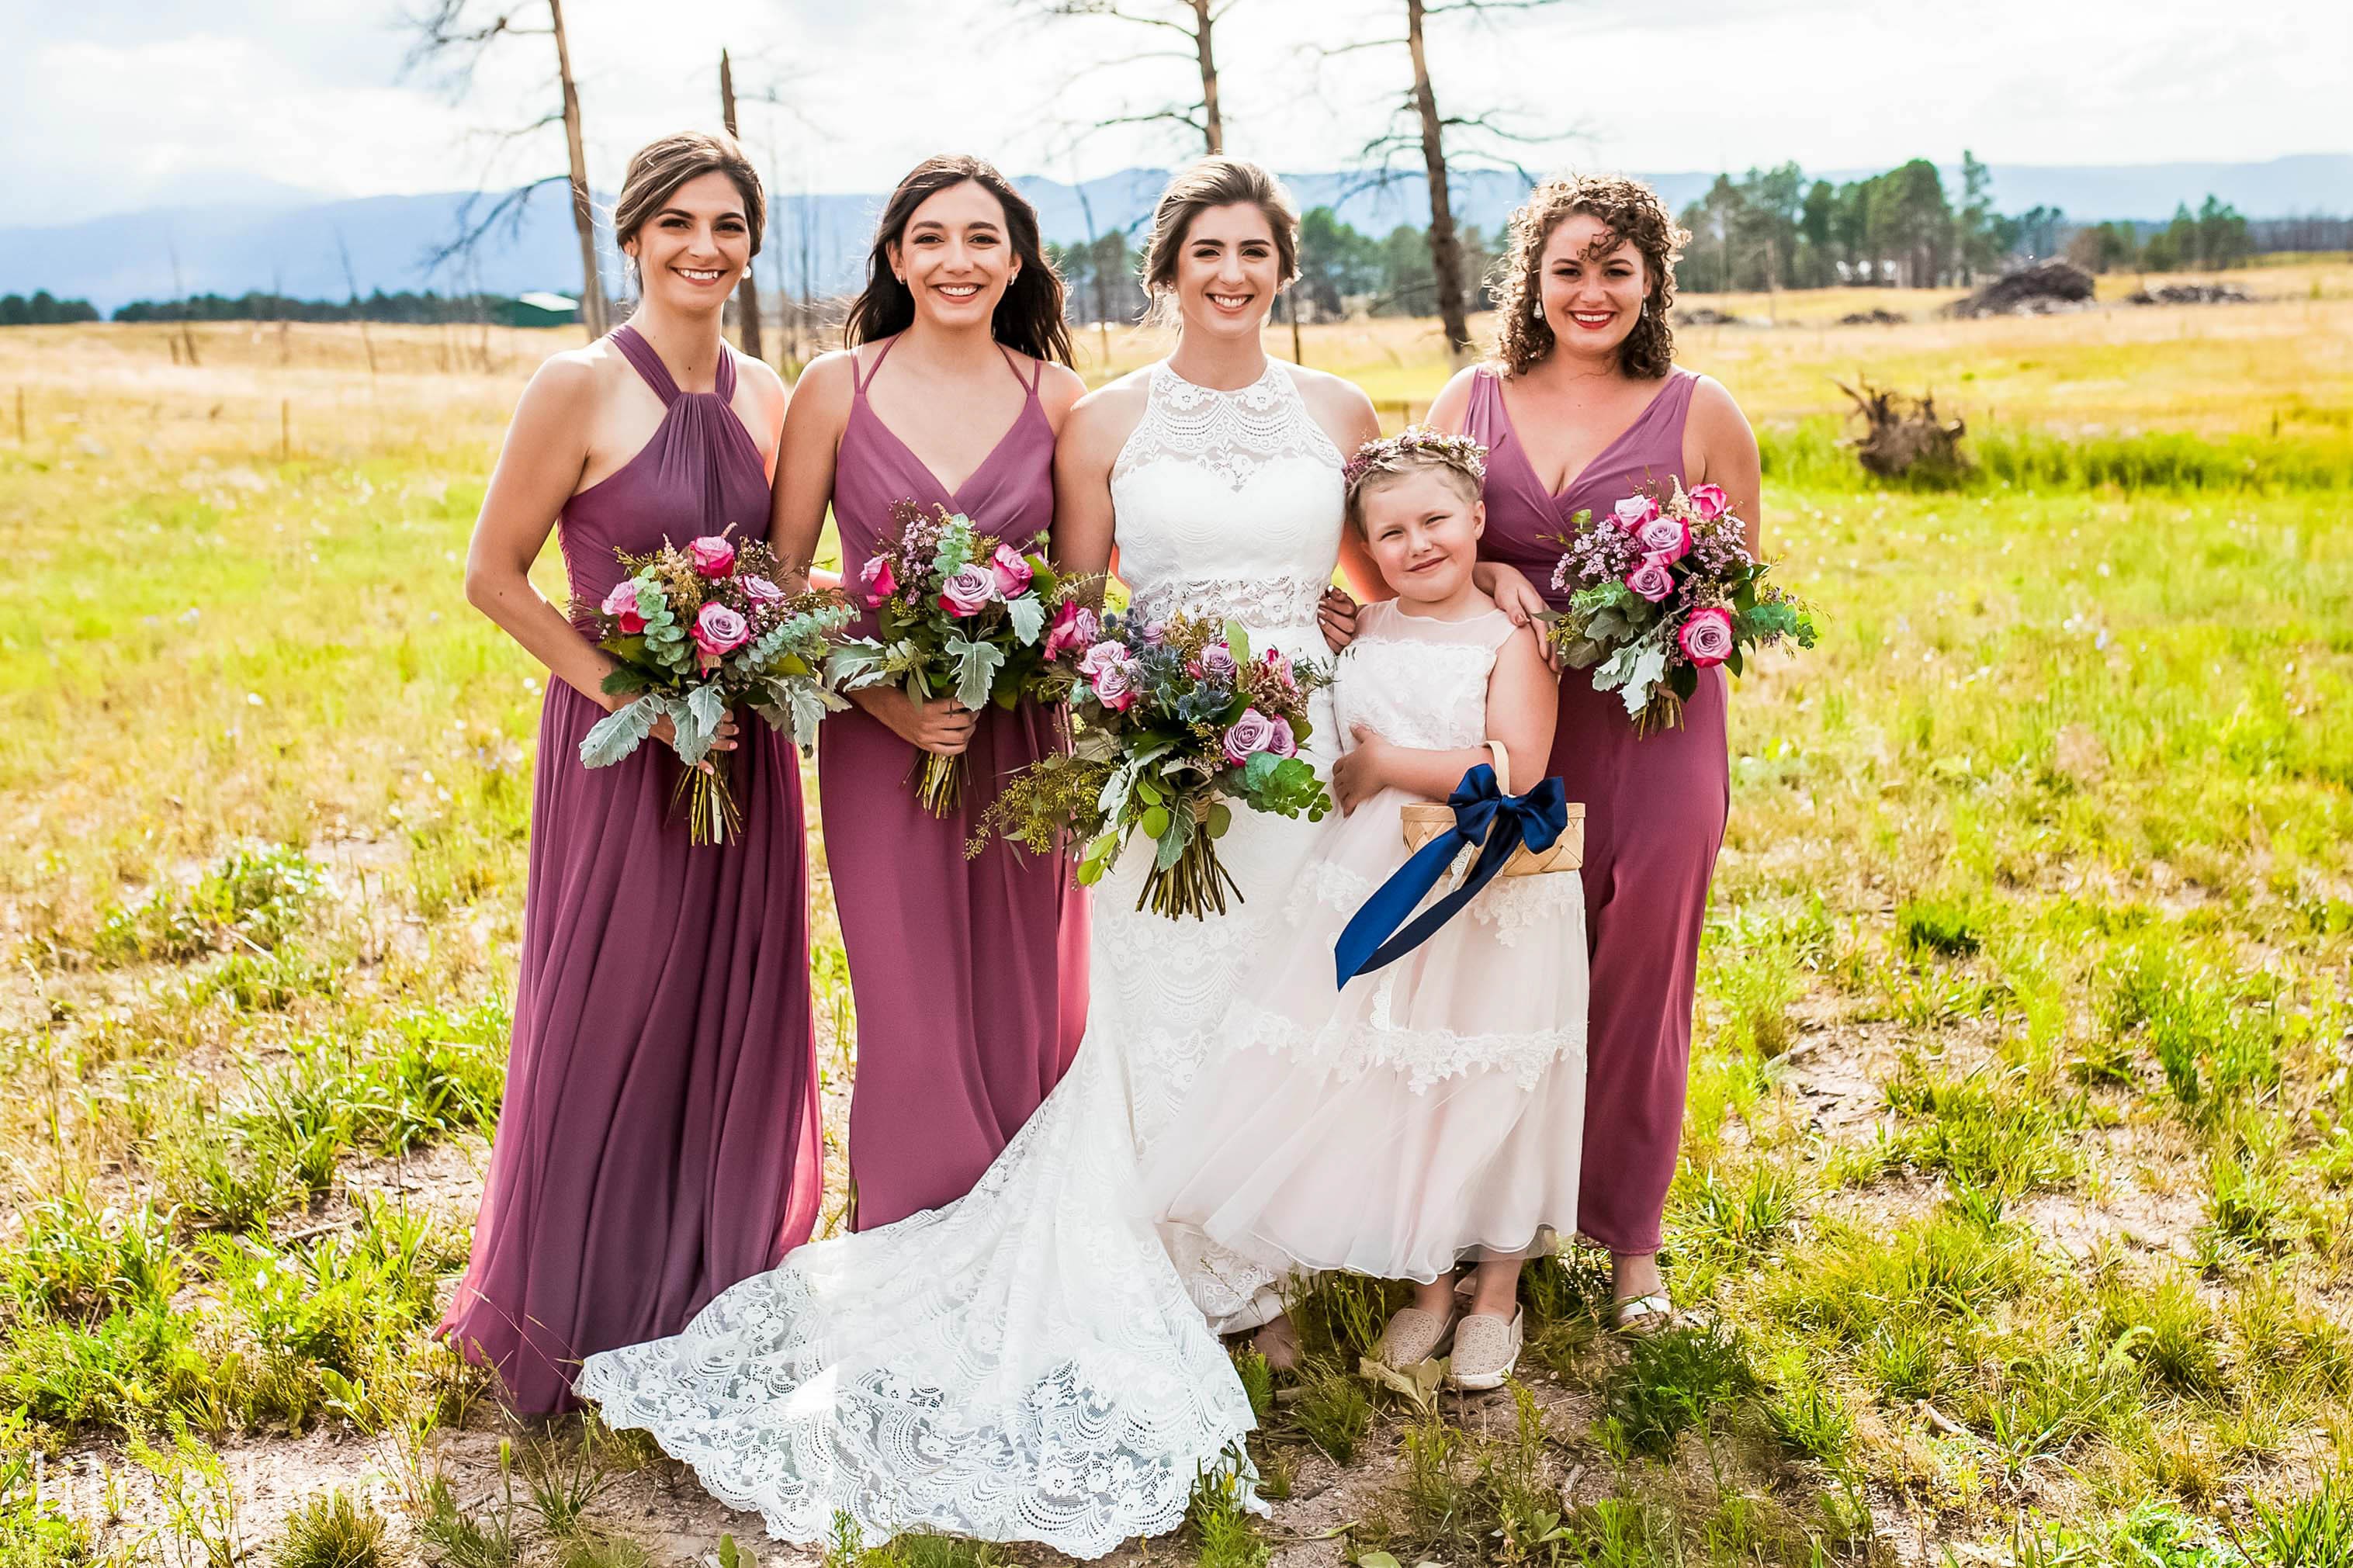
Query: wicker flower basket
{"x": 1425, "y": 820}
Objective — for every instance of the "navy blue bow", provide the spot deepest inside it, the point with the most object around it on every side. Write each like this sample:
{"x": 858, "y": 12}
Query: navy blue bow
{"x": 1483, "y": 815}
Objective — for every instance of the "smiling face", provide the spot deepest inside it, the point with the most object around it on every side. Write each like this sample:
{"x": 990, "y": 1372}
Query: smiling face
{"x": 1592, "y": 296}
{"x": 1228, "y": 271}
{"x": 695, "y": 245}
{"x": 1423, "y": 529}
{"x": 955, "y": 256}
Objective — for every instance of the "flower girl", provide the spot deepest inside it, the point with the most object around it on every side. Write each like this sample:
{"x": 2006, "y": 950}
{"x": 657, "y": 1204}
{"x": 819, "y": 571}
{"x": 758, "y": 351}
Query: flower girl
{"x": 1426, "y": 1114}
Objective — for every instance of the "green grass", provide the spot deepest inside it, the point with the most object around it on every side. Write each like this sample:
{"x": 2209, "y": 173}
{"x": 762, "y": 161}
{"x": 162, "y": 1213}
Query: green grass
{"x": 2017, "y": 1203}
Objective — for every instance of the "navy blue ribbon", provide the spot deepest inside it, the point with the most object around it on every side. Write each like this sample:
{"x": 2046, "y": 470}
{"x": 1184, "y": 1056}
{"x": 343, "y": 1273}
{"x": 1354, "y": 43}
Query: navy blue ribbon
{"x": 1483, "y": 815}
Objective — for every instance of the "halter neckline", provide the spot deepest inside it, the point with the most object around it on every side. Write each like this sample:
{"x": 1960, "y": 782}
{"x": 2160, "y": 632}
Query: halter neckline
{"x": 648, "y": 365}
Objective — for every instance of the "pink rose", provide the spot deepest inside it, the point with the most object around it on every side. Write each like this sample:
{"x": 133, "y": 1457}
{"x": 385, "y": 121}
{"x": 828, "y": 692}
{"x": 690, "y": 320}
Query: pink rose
{"x": 1636, "y": 510}
{"x": 760, "y": 591}
{"x": 1011, "y": 572}
{"x": 968, "y": 592}
{"x": 1667, "y": 538}
{"x": 621, "y": 604}
{"x": 720, "y": 631}
{"x": 1709, "y": 501}
{"x": 879, "y": 580}
{"x": 713, "y": 555}
{"x": 1706, "y": 635}
{"x": 1111, "y": 673}
{"x": 1251, "y": 733}
{"x": 1074, "y": 627}
{"x": 1282, "y": 743}
{"x": 1652, "y": 579}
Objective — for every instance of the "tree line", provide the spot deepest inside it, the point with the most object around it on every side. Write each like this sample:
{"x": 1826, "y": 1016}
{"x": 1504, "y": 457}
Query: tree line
{"x": 427, "y": 308}
{"x": 1773, "y": 229}
{"x": 43, "y": 310}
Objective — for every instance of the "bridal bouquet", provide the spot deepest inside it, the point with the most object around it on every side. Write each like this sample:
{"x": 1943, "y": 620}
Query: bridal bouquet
{"x": 955, "y": 611}
{"x": 699, "y": 631}
{"x": 1659, "y": 590}
{"x": 1174, "y": 722}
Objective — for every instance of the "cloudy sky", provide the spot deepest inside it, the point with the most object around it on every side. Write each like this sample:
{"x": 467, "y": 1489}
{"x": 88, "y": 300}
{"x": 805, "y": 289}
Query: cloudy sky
{"x": 107, "y": 106}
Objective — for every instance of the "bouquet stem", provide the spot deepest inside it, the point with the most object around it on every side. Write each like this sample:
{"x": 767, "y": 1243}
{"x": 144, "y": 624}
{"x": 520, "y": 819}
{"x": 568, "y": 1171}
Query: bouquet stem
{"x": 1193, "y": 884}
{"x": 711, "y": 814}
{"x": 939, "y": 783}
{"x": 1663, "y": 711}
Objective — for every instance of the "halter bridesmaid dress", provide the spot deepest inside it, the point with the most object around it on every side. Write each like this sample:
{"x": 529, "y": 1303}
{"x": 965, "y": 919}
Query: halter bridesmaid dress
{"x": 970, "y": 974}
{"x": 659, "y": 1138}
{"x": 1654, "y": 815}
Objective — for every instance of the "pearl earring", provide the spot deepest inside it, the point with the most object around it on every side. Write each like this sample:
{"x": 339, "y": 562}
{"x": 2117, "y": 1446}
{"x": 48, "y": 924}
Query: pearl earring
{"x": 1536, "y": 309}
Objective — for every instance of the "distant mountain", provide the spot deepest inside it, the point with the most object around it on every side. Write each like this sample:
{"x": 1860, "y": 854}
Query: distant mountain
{"x": 291, "y": 244}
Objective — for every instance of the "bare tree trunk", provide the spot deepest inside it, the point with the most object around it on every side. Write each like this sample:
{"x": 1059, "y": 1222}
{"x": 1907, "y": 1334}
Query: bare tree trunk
{"x": 593, "y": 313}
{"x": 747, "y": 292}
{"x": 1445, "y": 249}
{"x": 1213, "y": 128}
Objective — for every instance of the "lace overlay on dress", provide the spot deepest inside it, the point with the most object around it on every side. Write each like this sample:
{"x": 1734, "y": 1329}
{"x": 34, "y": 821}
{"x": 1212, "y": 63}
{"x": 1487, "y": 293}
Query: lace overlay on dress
{"x": 1032, "y": 1362}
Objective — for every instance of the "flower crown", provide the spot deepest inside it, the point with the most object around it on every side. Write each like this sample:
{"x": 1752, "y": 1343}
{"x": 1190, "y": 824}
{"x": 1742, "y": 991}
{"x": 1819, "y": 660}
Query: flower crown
{"x": 1385, "y": 455}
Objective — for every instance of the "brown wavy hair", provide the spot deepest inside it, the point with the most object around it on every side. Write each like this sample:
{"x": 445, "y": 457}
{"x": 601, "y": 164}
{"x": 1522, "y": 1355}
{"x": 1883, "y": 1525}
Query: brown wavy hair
{"x": 1029, "y": 315}
{"x": 1214, "y": 181}
{"x": 1629, "y": 211}
{"x": 659, "y": 168}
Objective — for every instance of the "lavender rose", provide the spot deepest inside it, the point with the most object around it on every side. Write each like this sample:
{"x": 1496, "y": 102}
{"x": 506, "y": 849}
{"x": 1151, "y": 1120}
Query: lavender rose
{"x": 1108, "y": 670}
{"x": 1666, "y": 537}
{"x": 1652, "y": 579}
{"x": 1636, "y": 510}
{"x": 968, "y": 592}
{"x": 1217, "y": 663}
{"x": 760, "y": 591}
{"x": 1251, "y": 733}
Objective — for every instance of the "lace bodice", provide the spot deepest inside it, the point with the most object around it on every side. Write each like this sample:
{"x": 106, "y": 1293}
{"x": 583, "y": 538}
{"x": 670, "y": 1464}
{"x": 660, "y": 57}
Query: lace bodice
{"x": 1419, "y": 682}
{"x": 1228, "y": 503}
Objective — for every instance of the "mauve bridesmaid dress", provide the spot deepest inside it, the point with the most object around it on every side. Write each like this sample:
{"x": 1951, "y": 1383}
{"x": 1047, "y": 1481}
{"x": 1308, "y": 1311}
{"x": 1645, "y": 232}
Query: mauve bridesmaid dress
{"x": 1654, "y": 815}
{"x": 969, "y": 976}
{"x": 660, "y": 1138}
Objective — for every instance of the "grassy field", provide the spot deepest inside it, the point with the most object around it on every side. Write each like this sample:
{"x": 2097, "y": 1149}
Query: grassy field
{"x": 2018, "y": 1187}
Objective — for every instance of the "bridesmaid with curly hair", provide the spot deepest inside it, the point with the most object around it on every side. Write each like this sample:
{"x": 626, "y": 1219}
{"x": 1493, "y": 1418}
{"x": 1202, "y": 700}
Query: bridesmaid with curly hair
{"x": 1582, "y": 406}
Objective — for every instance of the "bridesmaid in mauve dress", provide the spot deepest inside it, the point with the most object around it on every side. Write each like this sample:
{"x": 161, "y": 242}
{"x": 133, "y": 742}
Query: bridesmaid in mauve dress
{"x": 659, "y": 1138}
{"x": 968, "y": 974}
{"x": 1587, "y": 358}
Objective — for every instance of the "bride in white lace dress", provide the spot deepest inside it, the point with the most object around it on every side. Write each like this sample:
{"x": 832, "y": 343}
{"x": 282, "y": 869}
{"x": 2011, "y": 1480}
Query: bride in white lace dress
{"x": 1030, "y": 1363}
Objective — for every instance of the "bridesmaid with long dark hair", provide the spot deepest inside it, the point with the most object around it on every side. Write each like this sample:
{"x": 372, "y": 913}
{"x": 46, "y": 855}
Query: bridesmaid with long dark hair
{"x": 659, "y": 1137}
{"x": 1582, "y": 407}
{"x": 968, "y": 974}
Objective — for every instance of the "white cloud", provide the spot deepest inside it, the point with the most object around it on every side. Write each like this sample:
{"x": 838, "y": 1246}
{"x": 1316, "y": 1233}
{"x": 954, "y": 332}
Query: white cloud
{"x": 105, "y": 107}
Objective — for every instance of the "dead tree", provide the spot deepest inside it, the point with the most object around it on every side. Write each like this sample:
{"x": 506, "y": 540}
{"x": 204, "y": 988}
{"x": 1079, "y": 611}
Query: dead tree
{"x": 453, "y": 38}
{"x": 1184, "y": 30}
{"x": 1416, "y": 125}
{"x": 1903, "y": 438}
{"x": 747, "y": 292}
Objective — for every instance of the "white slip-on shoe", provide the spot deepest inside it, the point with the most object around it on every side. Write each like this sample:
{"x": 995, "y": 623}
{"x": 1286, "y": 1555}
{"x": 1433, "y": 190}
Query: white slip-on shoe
{"x": 1486, "y": 1349}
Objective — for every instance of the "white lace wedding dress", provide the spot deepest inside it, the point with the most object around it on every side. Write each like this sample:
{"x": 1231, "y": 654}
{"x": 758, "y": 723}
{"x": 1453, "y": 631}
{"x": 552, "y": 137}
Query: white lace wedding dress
{"x": 1029, "y": 1363}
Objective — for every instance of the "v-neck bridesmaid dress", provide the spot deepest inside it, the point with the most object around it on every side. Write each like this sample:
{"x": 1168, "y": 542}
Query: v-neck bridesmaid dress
{"x": 1654, "y": 815}
{"x": 969, "y": 976}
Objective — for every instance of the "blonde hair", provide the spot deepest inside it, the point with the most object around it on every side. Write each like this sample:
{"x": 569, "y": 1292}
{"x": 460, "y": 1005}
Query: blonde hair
{"x": 1418, "y": 448}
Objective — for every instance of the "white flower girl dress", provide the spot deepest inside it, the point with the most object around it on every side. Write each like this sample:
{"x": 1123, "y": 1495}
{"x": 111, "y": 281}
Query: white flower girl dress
{"x": 1425, "y": 1113}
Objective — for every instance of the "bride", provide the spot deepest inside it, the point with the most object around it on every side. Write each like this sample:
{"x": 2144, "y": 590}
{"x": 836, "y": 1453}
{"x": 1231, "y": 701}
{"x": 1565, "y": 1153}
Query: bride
{"x": 1035, "y": 1361}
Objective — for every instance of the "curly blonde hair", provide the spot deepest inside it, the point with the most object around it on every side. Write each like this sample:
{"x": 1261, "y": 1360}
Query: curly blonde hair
{"x": 1629, "y": 210}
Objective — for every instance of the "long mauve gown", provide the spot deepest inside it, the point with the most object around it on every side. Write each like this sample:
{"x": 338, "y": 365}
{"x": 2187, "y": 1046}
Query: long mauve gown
{"x": 969, "y": 976}
{"x": 660, "y": 1140}
{"x": 1654, "y": 815}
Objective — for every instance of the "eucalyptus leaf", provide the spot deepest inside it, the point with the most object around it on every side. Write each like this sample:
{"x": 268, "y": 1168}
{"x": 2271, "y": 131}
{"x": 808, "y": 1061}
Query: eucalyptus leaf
{"x": 618, "y": 734}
